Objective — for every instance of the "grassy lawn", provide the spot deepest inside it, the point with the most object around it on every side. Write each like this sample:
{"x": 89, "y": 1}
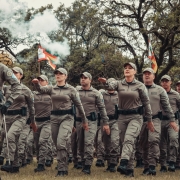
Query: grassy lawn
{"x": 27, "y": 173}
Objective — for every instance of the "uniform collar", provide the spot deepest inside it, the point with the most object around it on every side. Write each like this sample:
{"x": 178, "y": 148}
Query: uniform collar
{"x": 90, "y": 89}
{"x": 65, "y": 86}
{"x": 133, "y": 82}
{"x": 106, "y": 92}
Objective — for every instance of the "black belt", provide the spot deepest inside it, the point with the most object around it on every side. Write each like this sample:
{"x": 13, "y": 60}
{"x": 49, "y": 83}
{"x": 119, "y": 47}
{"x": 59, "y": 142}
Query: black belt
{"x": 176, "y": 115}
{"x": 138, "y": 110}
{"x": 42, "y": 119}
{"x": 14, "y": 112}
{"x": 62, "y": 112}
{"x": 153, "y": 117}
{"x": 111, "y": 117}
{"x": 78, "y": 119}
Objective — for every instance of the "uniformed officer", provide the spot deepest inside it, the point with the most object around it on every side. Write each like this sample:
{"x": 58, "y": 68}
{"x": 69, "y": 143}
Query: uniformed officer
{"x": 132, "y": 96}
{"x": 178, "y": 86}
{"x": 6, "y": 75}
{"x": 111, "y": 142}
{"x": 16, "y": 117}
{"x": 177, "y": 166}
{"x": 150, "y": 140}
{"x": 169, "y": 137}
{"x": 43, "y": 107}
{"x": 91, "y": 99}
{"x": 62, "y": 119}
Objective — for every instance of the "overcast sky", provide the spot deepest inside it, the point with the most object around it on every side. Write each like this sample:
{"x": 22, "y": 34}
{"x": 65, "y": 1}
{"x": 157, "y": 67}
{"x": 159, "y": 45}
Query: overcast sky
{"x": 39, "y": 3}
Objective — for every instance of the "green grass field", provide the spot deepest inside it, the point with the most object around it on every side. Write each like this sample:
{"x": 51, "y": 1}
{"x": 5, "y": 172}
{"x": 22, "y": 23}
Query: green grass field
{"x": 27, "y": 173}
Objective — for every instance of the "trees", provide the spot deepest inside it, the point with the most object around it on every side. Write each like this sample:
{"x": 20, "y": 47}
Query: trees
{"x": 129, "y": 24}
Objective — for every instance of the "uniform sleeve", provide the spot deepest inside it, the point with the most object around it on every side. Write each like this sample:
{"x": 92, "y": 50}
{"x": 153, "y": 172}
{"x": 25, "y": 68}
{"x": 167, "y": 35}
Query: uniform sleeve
{"x": 111, "y": 84}
{"x": 15, "y": 85}
{"x": 77, "y": 102}
{"x": 145, "y": 102}
{"x": 30, "y": 103}
{"x": 101, "y": 107}
{"x": 43, "y": 89}
{"x": 166, "y": 105}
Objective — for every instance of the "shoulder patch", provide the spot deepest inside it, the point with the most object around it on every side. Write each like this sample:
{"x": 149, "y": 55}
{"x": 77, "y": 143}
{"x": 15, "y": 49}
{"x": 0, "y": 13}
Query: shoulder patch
{"x": 9, "y": 73}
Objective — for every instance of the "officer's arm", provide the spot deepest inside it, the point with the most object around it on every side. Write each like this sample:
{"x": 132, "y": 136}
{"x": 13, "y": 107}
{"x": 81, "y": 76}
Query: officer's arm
{"x": 30, "y": 103}
{"x": 43, "y": 89}
{"x": 145, "y": 102}
{"x": 101, "y": 106}
{"x": 15, "y": 85}
{"x": 111, "y": 84}
{"x": 178, "y": 101}
{"x": 77, "y": 102}
{"x": 166, "y": 105}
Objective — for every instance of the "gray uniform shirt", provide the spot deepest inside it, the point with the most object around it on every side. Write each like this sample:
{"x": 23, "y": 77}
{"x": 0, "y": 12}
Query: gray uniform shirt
{"x": 91, "y": 100}
{"x": 6, "y": 75}
{"x": 25, "y": 99}
{"x": 62, "y": 98}
{"x": 110, "y": 100}
{"x": 42, "y": 104}
{"x": 159, "y": 101}
{"x": 132, "y": 95}
{"x": 174, "y": 100}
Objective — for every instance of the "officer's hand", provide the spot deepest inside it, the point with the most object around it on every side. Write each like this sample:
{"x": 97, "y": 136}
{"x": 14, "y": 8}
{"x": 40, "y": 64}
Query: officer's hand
{"x": 150, "y": 126}
{"x": 35, "y": 81}
{"x": 102, "y": 80}
{"x": 174, "y": 126}
{"x": 5, "y": 106}
{"x": 73, "y": 129}
{"x": 34, "y": 126}
{"x": 106, "y": 129}
{"x": 85, "y": 126}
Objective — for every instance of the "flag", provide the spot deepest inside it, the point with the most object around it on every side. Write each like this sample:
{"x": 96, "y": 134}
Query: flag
{"x": 151, "y": 56}
{"x": 43, "y": 55}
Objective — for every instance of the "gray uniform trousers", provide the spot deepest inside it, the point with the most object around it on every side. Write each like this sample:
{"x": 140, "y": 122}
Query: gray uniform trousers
{"x": 129, "y": 129}
{"x": 149, "y": 142}
{"x": 61, "y": 128}
{"x": 74, "y": 146}
{"x": 41, "y": 137}
{"x": 169, "y": 142}
{"x": 99, "y": 145}
{"x": 22, "y": 144}
{"x": 111, "y": 143}
{"x": 30, "y": 145}
{"x": 50, "y": 144}
{"x": 15, "y": 125}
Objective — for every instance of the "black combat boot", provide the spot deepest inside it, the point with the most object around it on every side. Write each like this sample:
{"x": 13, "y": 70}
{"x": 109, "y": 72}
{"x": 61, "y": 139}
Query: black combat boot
{"x": 62, "y": 173}
{"x": 28, "y": 161}
{"x": 107, "y": 169}
{"x": 100, "y": 163}
{"x": 129, "y": 173}
{"x": 70, "y": 159}
{"x": 163, "y": 169}
{"x": 122, "y": 168}
{"x": 87, "y": 169}
{"x": 7, "y": 167}
{"x": 39, "y": 168}
{"x": 15, "y": 170}
{"x": 145, "y": 171}
{"x": 48, "y": 163}
{"x": 171, "y": 167}
{"x": 112, "y": 168}
{"x": 1, "y": 160}
{"x": 79, "y": 165}
{"x": 152, "y": 170}
{"x": 139, "y": 163}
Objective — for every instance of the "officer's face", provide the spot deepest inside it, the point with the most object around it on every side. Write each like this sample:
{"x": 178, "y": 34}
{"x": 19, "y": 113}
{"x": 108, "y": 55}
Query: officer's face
{"x": 42, "y": 82}
{"x": 18, "y": 75}
{"x": 178, "y": 88}
{"x": 165, "y": 83}
{"x": 129, "y": 71}
{"x": 148, "y": 77}
{"x": 60, "y": 77}
{"x": 84, "y": 81}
